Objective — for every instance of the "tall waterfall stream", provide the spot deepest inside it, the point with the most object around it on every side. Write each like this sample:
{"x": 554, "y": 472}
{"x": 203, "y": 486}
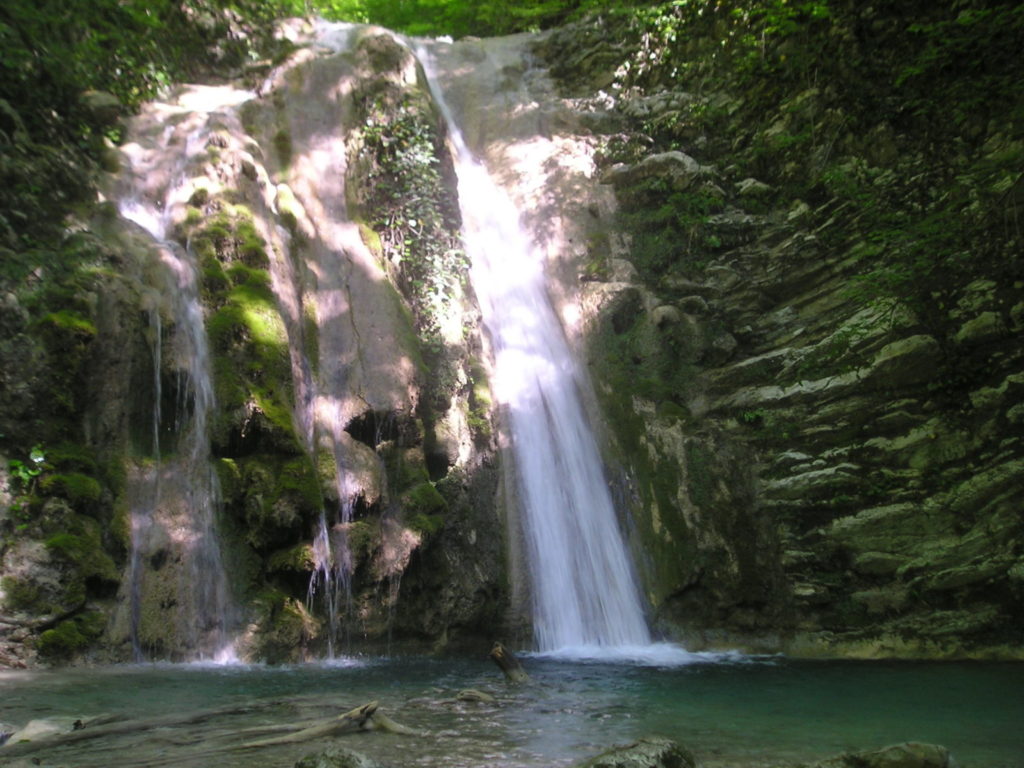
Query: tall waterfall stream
{"x": 584, "y": 594}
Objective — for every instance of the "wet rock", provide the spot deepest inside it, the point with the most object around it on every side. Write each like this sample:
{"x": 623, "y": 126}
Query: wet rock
{"x": 693, "y": 305}
{"x": 988, "y": 326}
{"x": 908, "y": 361}
{"x": 103, "y": 107}
{"x": 720, "y": 349}
{"x": 909, "y": 755}
{"x": 37, "y": 730}
{"x": 648, "y": 752}
{"x": 753, "y": 188}
{"x": 337, "y": 757}
{"x": 877, "y": 563}
{"x": 677, "y": 168}
{"x": 665, "y": 315}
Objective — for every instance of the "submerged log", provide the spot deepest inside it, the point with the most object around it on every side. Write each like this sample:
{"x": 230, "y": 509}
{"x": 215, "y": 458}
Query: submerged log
{"x": 509, "y": 664}
{"x": 368, "y": 717}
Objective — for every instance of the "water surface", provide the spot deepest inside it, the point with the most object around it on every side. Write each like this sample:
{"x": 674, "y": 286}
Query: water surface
{"x": 729, "y": 712}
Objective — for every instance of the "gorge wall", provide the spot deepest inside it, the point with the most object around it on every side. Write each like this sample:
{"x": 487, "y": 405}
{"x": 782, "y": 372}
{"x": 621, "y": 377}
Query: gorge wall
{"x": 808, "y": 391}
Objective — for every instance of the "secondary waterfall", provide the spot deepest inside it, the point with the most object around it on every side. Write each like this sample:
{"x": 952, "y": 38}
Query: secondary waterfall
{"x": 583, "y": 589}
{"x": 181, "y": 605}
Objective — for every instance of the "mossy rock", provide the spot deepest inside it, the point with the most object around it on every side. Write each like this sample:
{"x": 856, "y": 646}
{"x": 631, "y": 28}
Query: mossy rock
{"x": 285, "y": 628}
{"x": 21, "y": 595}
{"x": 425, "y": 525}
{"x": 69, "y": 322}
{"x": 71, "y": 636}
{"x": 81, "y": 490}
{"x": 278, "y": 497}
{"x": 423, "y": 499}
{"x": 406, "y": 468}
{"x": 252, "y": 368}
{"x": 80, "y": 544}
{"x": 73, "y": 456}
{"x": 297, "y": 559}
{"x": 362, "y": 538}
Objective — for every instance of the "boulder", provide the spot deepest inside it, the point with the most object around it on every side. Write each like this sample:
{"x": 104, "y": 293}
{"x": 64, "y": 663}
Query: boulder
{"x": 648, "y": 752}
{"x": 911, "y": 754}
{"x": 988, "y": 326}
{"x": 912, "y": 360}
{"x": 103, "y": 107}
{"x": 337, "y": 757}
{"x": 677, "y": 168}
{"x": 751, "y": 187}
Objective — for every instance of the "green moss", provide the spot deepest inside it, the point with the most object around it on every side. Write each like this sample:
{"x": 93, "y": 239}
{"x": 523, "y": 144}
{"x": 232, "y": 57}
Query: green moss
{"x": 230, "y": 477}
{"x": 72, "y": 456}
{"x": 69, "y": 321}
{"x": 361, "y": 537}
{"x": 20, "y": 595}
{"x": 79, "y": 489}
{"x": 251, "y": 247}
{"x": 84, "y": 549}
{"x": 279, "y": 498}
{"x": 423, "y": 499}
{"x": 371, "y": 239}
{"x": 245, "y": 275}
{"x": 296, "y": 559}
{"x": 405, "y": 469}
{"x": 299, "y": 477}
{"x": 213, "y": 280}
{"x": 71, "y": 636}
{"x": 63, "y": 640}
{"x": 425, "y": 525}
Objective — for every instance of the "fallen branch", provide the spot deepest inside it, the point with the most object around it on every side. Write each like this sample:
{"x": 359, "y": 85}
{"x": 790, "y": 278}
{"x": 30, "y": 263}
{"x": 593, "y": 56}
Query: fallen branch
{"x": 509, "y": 664}
{"x": 368, "y": 717}
{"x": 121, "y": 727}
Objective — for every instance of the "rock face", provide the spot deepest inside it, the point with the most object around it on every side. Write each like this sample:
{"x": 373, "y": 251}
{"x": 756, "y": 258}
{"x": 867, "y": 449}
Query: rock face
{"x": 322, "y": 397}
{"x": 812, "y": 435}
{"x": 809, "y": 467}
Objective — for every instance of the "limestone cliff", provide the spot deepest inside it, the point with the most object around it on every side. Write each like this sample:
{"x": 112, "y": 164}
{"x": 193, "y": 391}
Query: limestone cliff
{"x": 258, "y": 343}
{"x": 815, "y": 402}
{"x": 798, "y": 293}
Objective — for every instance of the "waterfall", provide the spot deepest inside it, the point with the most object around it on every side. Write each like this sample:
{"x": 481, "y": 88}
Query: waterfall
{"x": 175, "y": 499}
{"x": 583, "y": 589}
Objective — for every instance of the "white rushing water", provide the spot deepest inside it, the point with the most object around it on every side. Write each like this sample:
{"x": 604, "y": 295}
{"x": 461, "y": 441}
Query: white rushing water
{"x": 585, "y": 599}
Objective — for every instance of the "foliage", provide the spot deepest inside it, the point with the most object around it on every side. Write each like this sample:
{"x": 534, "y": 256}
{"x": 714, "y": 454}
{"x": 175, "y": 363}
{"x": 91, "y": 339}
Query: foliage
{"x": 52, "y": 51}
{"x": 413, "y": 208}
{"x": 457, "y": 17}
{"x": 26, "y": 472}
{"x": 668, "y": 227}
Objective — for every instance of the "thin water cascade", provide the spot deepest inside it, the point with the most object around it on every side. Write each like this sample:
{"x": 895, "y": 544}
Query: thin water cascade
{"x": 175, "y": 500}
{"x": 584, "y": 595}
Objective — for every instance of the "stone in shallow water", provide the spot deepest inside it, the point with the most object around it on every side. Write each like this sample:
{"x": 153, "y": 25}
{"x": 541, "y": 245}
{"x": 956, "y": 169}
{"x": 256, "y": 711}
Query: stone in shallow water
{"x": 649, "y": 752}
{"x": 337, "y": 757}
{"x": 912, "y": 754}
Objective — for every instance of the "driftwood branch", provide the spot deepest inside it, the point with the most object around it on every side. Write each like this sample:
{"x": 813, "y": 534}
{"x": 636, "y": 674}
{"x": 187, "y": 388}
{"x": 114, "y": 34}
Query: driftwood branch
{"x": 368, "y": 717}
{"x": 509, "y": 664}
{"x": 96, "y": 728}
